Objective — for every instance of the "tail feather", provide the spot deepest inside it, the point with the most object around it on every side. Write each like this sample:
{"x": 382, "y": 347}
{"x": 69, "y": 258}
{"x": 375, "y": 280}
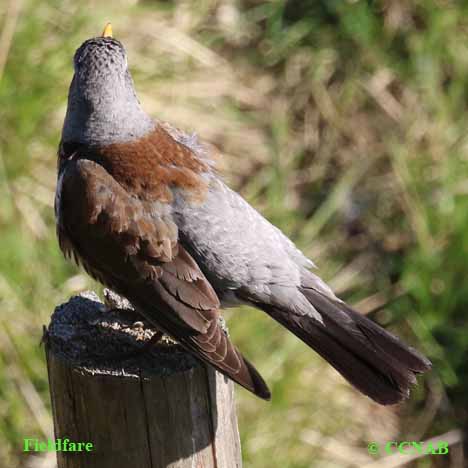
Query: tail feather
{"x": 373, "y": 360}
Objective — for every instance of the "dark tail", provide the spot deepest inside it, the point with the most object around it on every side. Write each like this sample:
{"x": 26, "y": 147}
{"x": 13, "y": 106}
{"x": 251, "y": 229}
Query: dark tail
{"x": 373, "y": 360}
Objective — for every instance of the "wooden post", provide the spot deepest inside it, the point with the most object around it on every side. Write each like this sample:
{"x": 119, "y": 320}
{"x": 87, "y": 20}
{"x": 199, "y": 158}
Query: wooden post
{"x": 161, "y": 408}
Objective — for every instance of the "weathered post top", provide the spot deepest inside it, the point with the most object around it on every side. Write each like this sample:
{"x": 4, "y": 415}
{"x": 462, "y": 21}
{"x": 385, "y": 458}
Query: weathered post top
{"x": 137, "y": 407}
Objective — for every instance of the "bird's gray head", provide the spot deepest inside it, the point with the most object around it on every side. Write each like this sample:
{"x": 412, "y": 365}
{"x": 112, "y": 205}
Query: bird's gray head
{"x": 102, "y": 104}
{"x": 99, "y": 60}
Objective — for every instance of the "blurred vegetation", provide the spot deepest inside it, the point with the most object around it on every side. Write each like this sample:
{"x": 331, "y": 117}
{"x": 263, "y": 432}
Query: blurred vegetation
{"x": 344, "y": 122}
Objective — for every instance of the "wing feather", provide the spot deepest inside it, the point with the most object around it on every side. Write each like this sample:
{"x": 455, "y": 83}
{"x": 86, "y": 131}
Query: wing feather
{"x": 131, "y": 245}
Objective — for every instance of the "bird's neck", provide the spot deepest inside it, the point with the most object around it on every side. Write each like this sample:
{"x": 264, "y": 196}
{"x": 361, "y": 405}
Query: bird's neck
{"x": 113, "y": 118}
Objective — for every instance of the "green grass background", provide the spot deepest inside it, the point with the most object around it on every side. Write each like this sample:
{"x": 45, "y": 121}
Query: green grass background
{"x": 344, "y": 122}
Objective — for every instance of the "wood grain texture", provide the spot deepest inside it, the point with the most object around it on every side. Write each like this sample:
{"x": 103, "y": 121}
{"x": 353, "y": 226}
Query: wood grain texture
{"x": 158, "y": 409}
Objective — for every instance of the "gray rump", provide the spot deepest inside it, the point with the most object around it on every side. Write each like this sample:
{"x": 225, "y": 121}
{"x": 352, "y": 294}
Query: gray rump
{"x": 239, "y": 249}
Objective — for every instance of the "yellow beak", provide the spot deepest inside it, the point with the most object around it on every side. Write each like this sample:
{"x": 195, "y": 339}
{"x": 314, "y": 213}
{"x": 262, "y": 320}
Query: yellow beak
{"x": 107, "y": 30}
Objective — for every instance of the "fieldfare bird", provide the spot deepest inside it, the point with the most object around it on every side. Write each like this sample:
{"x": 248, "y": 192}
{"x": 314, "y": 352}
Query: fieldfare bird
{"x": 140, "y": 206}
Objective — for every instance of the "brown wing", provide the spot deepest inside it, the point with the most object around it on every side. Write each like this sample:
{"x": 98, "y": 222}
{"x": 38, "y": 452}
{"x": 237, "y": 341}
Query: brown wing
{"x": 131, "y": 246}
